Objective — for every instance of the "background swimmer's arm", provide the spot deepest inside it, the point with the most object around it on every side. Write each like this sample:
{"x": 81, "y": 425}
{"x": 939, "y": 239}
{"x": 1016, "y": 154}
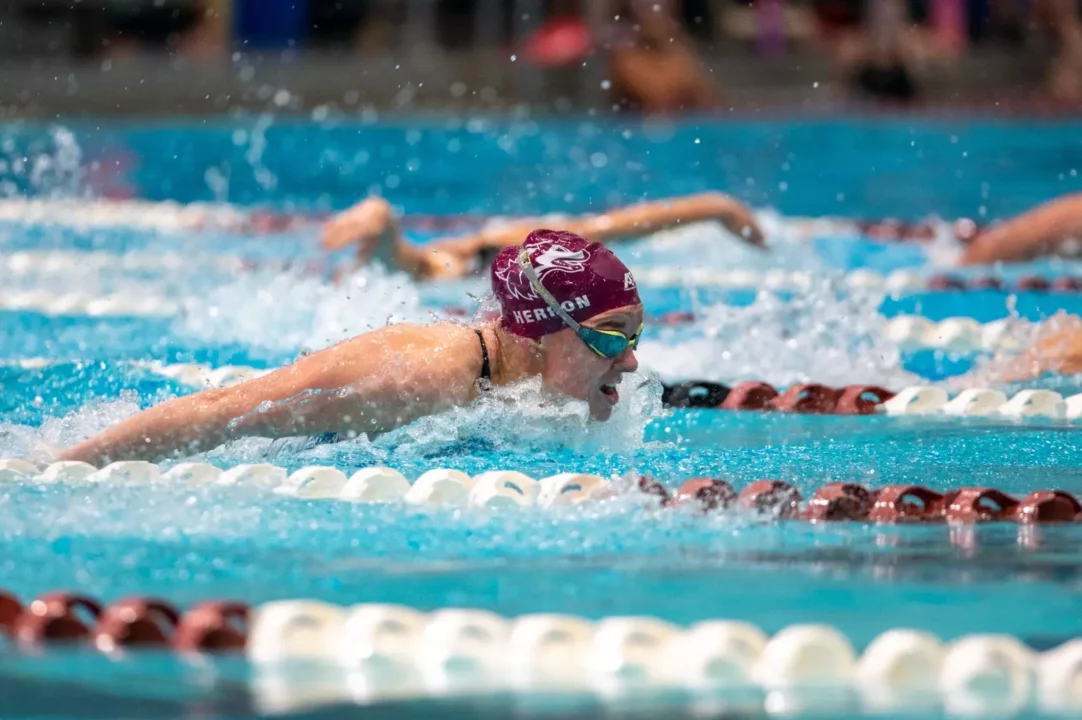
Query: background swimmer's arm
{"x": 638, "y": 220}
{"x": 1043, "y": 230}
{"x": 633, "y": 221}
{"x": 372, "y": 383}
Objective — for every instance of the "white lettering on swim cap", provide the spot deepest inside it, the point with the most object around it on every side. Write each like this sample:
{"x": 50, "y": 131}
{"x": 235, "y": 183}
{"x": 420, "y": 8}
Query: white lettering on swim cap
{"x": 629, "y": 281}
{"x": 535, "y": 314}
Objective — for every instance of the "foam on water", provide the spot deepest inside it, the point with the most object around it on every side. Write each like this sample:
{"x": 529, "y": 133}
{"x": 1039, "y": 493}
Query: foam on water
{"x": 288, "y": 311}
{"x": 825, "y": 334}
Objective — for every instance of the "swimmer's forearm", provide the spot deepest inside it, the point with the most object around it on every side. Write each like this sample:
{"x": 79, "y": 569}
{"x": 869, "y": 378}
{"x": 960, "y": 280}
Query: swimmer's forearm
{"x": 1043, "y": 230}
{"x": 188, "y": 425}
{"x": 652, "y": 217}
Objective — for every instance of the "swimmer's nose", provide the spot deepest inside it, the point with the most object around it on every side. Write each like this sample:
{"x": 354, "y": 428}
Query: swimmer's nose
{"x": 627, "y": 362}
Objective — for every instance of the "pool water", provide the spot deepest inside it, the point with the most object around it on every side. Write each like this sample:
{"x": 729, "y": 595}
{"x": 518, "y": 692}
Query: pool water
{"x": 625, "y": 556}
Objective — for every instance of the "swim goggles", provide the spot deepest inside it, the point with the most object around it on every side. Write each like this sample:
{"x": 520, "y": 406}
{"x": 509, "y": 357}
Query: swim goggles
{"x": 606, "y": 343}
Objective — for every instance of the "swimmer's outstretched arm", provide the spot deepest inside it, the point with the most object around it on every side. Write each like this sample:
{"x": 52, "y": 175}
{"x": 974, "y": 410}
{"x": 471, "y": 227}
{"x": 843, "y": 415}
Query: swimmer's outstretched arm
{"x": 372, "y": 226}
{"x": 1044, "y": 230}
{"x": 370, "y": 384}
{"x": 635, "y": 221}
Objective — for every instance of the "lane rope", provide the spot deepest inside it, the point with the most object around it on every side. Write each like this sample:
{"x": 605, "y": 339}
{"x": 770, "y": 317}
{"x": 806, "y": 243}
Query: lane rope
{"x": 508, "y": 490}
{"x": 372, "y": 652}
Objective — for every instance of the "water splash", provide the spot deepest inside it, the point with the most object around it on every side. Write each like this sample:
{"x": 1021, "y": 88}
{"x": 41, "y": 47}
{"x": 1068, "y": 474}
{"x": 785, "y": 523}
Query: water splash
{"x": 286, "y": 311}
{"x": 825, "y": 334}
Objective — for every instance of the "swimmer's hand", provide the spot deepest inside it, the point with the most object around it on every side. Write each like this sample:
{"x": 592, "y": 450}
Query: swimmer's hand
{"x": 367, "y": 225}
{"x": 741, "y": 223}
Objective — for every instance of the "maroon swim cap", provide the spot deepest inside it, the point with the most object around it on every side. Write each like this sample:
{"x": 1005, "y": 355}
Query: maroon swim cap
{"x": 584, "y": 277}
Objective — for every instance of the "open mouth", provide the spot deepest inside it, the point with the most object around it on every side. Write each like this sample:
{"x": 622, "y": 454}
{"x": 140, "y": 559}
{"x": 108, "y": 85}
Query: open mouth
{"x": 609, "y": 391}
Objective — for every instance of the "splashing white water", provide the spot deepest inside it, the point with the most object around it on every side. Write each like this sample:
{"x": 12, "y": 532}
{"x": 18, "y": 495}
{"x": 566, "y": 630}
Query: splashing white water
{"x": 524, "y": 415}
{"x": 286, "y": 311}
{"x": 42, "y": 443}
{"x": 823, "y": 335}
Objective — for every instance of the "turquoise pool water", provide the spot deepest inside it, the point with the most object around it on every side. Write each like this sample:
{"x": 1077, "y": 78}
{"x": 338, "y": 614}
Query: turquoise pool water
{"x": 624, "y": 557}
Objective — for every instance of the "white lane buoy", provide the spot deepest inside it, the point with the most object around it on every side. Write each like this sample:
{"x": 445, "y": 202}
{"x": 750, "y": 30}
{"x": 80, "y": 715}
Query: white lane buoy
{"x": 548, "y": 651}
{"x": 462, "y": 650}
{"x": 901, "y": 282}
{"x": 15, "y": 470}
{"x": 503, "y": 489}
{"x": 571, "y": 489}
{"x": 385, "y": 635}
{"x": 631, "y": 650}
{"x": 916, "y": 400}
{"x": 295, "y": 630}
{"x": 193, "y": 473}
{"x": 975, "y": 401}
{"x": 1035, "y": 403}
{"x": 67, "y": 471}
{"x": 375, "y": 485}
{"x": 957, "y": 335}
{"x": 716, "y": 653}
{"x": 1072, "y": 407}
{"x": 256, "y": 475}
{"x": 314, "y": 483}
{"x": 441, "y": 487}
{"x": 1059, "y": 679}
{"x": 986, "y": 674}
{"x": 864, "y": 279}
{"x": 807, "y": 655}
{"x": 909, "y": 332}
{"x": 897, "y": 667}
{"x": 131, "y": 471}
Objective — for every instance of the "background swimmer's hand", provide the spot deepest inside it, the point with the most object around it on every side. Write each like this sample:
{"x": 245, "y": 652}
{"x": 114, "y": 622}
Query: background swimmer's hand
{"x": 364, "y": 224}
{"x": 741, "y": 223}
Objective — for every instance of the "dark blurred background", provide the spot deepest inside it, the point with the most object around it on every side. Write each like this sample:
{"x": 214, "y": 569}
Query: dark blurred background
{"x": 95, "y": 57}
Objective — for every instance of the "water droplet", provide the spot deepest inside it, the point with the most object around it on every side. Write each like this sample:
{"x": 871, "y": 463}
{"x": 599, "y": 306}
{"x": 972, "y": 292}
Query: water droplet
{"x": 605, "y": 84}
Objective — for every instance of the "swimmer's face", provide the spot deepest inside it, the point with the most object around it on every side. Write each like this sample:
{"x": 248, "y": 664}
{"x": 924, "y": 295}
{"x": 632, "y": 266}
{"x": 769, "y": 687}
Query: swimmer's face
{"x": 571, "y": 368}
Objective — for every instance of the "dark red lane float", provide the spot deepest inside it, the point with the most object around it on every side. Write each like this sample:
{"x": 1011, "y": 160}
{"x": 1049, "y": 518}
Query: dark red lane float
{"x": 650, "y": 486}
{"x": 946, "y": 282}
{"x": 985, "y": 282}
{"x": 906, "y": 504}
{"x": 839, "y": 502}
{"x": 774, "y": 496}
{"x": 709, "y": 493}
{"x": 10, "y": 609}
{"x": 213, "y": 627}
{"x": 750, "y": 396}
{"x": 1033, "y": 283}
{"x": 1067, "y": 284}
{"x": 53, "y": 618}
{"x": 807, "y": 398}
{"x": 977, "y": 505}
{"x": 861, "y": 399}
{"x": 135, "y": 621}
{"x": 1048, "y": 506}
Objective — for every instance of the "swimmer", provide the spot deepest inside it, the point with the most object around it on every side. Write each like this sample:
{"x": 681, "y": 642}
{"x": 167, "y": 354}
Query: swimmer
{"x": 377, "y": 233}
{"x": 1054, "y": 228}
{"x": 570, "y": 313}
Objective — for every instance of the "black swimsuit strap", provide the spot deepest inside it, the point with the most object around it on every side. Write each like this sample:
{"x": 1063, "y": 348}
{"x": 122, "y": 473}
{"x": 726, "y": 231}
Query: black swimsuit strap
{"x": 486, "y": 369}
